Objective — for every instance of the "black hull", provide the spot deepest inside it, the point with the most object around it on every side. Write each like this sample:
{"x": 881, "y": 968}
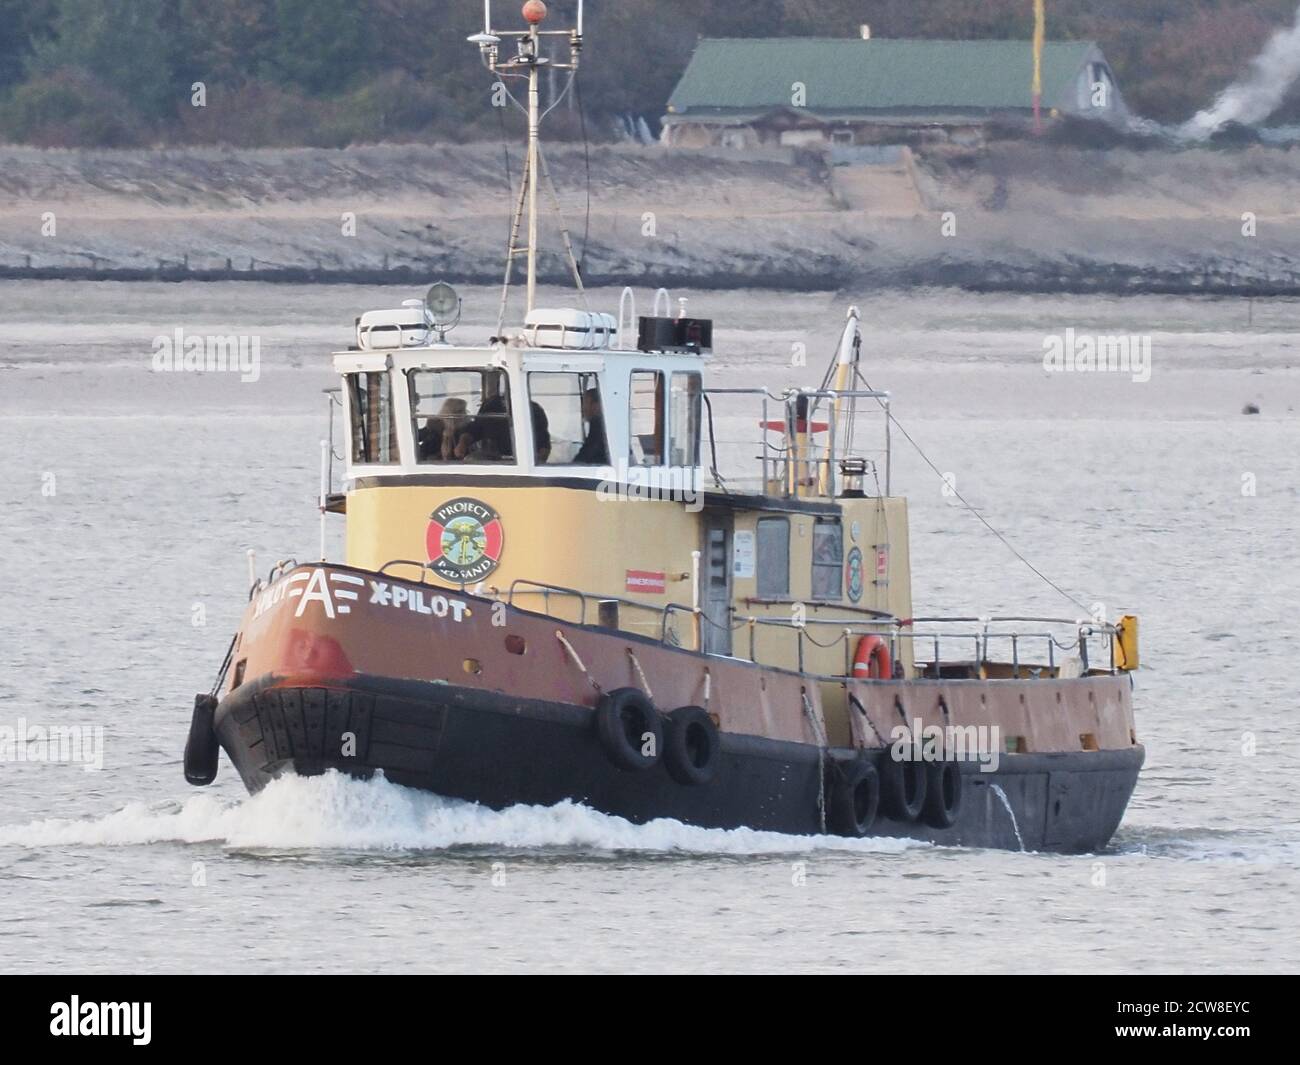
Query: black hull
{"x": 503, "y": 751}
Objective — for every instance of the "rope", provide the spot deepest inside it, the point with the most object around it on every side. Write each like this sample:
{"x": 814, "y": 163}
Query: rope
{"x": 586, "y": 158}
{"x": 640, "y": 673}
{"x": 713, "y": 447}
{"x": 983, "y": 520}
{"x": 568, "y": 87}
{"x": 820, "y": 736}
{"x": 225, "y": 665}
{"x": 853, "y": 701}
{"x": 564, "y": 228}
{"x": 577, "y": 661}
{"x": 505, "y": 150}
{"x": 516, "y": 222}
{"x": 824, "y": 646}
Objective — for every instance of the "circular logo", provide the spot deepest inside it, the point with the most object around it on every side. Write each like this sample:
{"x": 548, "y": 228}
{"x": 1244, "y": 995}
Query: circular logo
{"x": 464, "y": 540}
{"x": 854, "y": 567}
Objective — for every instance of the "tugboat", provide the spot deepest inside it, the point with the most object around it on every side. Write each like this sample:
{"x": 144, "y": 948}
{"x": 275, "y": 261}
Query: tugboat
{"x": 551, "y": 592}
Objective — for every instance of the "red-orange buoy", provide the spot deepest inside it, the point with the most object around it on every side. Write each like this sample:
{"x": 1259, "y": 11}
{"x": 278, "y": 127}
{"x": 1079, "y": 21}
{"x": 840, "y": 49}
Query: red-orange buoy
{"x": 534, "y": 11}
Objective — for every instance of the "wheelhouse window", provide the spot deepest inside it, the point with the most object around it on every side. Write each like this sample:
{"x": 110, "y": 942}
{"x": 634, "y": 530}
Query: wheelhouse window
{"x": 574, "y": 417}
{"x": 646, "y": 419}
{"x": 773, "y": 550}
{"x": 687, "y": 393}
{"x": 461, "y": 416}
{"x": 828, "y": 560}
{"x": 374, "y": 429}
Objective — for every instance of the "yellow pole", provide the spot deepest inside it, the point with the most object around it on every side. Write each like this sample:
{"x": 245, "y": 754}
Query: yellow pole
{"x": 1040, "y": 38}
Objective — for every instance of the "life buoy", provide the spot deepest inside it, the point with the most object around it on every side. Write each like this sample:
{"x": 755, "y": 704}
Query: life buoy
{"x": 629, "y": 729}
{"x": 854, "y": 799}
{"x": 691, "y": 746}
{"x": 871, "y": 659}
{"x": 942, "y": 794}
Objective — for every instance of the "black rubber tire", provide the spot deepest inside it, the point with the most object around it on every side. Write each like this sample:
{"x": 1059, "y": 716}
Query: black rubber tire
{"x": 902, "y": 788}
{"x": 692, "y": 746}
{"x": 201, "y": 747}
{"x": 627, "y": 722}
{"x": 854, "y": 799}
{"x": 943, "y": 794}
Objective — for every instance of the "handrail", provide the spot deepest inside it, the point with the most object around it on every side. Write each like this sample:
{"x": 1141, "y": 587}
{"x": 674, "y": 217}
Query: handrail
{"x": 982, "y": 620}
{"x": 850, "y": 627}
{"x": 546, "y": 590}
{"x": 898, "y": 629}
{"x": 879, "y": 615}
{"x": 540, "y": 587}
{"x": 423, "y": 567}
{"x": 626, "y": 297}
{"x": 821, "y": 467}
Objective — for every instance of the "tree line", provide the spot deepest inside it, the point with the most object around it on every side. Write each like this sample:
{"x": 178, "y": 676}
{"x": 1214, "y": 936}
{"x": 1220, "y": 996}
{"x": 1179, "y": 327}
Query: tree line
{"x": 122, "y": 73}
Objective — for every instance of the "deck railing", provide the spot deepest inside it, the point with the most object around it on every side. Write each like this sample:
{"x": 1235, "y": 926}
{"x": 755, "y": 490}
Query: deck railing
{"x": 985, "y": 643}
{"x": 936, "y": 643}
{"x": 792, "y": 460}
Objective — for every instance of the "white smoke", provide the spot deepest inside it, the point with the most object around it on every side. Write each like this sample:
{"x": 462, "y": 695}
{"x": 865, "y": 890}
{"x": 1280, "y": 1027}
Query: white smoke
{"x": 1251, "y": 99}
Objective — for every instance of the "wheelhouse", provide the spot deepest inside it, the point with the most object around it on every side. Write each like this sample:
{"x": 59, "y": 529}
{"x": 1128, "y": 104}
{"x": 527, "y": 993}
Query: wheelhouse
{"x": 456, "y": 412}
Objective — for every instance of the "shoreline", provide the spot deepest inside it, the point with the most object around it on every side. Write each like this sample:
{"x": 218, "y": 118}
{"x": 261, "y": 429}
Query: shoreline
{"x": 996, "y": 279}
{"x": 1008, "y": 218}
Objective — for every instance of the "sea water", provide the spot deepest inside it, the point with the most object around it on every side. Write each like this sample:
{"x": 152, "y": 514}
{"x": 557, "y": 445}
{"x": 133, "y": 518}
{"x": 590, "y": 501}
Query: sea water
{"x": 130, "y": 496}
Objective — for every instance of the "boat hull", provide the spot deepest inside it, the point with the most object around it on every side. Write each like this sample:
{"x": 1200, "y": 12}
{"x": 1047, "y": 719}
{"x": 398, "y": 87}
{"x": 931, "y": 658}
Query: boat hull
{"x": 504, "y": 750}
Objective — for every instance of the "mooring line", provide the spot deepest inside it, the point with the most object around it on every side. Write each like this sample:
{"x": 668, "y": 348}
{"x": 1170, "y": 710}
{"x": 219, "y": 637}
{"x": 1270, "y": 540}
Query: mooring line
{"x": 577, "y": 661}
{"x": 641, "y": 673}
{"x": 820, "y": 736}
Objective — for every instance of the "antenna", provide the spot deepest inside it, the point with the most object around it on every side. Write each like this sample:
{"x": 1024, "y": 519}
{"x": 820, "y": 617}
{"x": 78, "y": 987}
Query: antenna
{"x": 528, "y": 62}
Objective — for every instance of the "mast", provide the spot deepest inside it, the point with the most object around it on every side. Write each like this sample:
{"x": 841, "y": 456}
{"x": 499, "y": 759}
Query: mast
{"x": 534, "y": 137}
{"x": 1040, "y": 36}
{"x": 528, "y": 62}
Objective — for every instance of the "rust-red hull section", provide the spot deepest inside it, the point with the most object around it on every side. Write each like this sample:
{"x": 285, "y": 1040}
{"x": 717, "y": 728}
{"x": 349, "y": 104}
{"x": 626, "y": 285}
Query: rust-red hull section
{"x": 340, "y": 669}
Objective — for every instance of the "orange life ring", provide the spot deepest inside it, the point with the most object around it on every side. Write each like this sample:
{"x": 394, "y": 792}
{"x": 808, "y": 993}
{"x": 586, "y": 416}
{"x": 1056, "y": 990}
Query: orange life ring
{"x": 871, "y": 659}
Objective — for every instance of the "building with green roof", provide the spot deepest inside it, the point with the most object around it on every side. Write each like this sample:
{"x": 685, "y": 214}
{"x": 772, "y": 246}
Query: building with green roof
{"x": 811, "y": 91}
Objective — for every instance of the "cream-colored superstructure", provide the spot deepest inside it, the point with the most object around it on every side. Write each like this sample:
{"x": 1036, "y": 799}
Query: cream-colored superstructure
{"x": 639, "y": 542}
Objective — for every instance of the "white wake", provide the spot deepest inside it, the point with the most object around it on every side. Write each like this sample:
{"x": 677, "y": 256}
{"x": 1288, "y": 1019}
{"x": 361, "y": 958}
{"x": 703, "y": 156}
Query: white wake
{"x": 335, "y": 812}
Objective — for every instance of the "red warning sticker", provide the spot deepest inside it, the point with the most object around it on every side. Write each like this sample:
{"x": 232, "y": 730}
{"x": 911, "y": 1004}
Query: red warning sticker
{"x": 646, "y": 583}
